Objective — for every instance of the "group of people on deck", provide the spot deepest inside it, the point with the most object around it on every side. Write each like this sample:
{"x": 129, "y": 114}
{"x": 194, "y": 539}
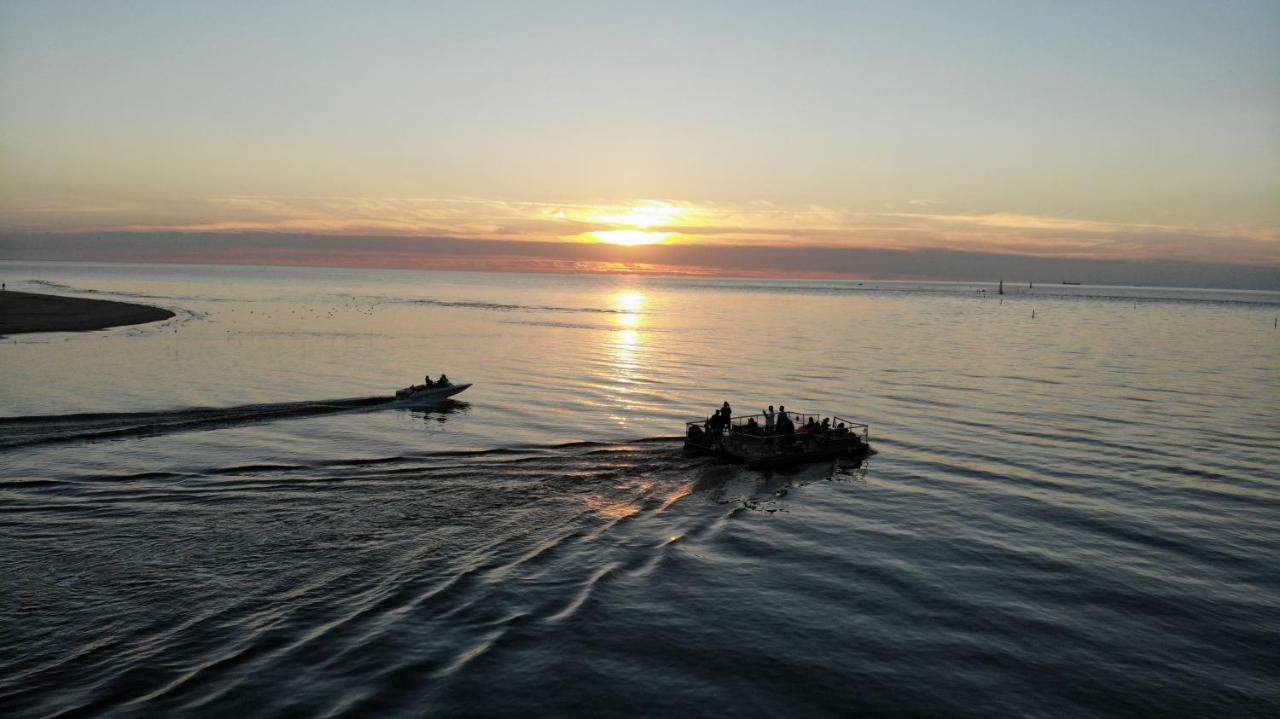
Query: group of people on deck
{"x": 442, "y": 382}
{"x": 776, "y": 424}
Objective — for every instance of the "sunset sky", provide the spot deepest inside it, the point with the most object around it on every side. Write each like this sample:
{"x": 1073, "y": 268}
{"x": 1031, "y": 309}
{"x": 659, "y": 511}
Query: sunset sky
{"x": 1135, "y": 131}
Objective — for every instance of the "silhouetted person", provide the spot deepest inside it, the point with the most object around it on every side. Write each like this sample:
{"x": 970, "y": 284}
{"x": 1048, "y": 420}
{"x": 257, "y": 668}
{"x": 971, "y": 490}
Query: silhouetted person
{"x": 768, "y": 419}
{"x": 426, "y": 381}
{"x": 784, "y": 424}
{"x": 443, "y": 381}
{"x": 695, "y": 433}
{"x": 728, "y": 414}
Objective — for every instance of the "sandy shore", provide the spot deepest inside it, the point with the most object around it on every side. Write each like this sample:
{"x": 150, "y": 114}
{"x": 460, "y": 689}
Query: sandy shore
{"x": 28, "y": 312}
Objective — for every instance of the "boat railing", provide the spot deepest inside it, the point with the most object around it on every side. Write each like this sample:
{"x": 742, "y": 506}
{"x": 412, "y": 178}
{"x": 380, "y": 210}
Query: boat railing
{"x": 741, "y": 428}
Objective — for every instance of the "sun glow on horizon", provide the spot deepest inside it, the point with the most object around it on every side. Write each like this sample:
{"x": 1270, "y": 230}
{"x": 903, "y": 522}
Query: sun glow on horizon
{"x": 630, "y": 238}
{"x": 635, "y": 223}
{"x": 644, "y": 216}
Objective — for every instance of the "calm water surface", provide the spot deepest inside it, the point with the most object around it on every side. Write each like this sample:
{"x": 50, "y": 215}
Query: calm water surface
{"x": 1074, "y": 513}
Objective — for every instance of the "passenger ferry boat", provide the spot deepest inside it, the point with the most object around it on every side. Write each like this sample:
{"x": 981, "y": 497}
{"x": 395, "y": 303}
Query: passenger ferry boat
{"x": 746, "y": 440}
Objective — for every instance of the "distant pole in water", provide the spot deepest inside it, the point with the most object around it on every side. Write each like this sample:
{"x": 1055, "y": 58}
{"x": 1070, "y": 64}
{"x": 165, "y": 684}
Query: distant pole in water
{"x": 1033, "y": 314}
{"x": 1031, "y": 285}
{"x": 1000, "y": 290}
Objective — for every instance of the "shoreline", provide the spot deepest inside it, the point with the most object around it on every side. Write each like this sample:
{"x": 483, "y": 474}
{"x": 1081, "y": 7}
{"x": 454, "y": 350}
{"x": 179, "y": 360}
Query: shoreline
{"x": 26, "y": 312}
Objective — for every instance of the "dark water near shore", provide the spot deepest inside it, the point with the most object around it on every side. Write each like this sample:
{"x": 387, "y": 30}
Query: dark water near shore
{"x": 1071, "y": 514}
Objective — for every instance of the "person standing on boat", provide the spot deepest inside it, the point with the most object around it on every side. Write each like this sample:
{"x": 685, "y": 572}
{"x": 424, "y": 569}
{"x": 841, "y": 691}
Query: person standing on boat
{"x": 768, "y": 420}
{"x": 728, "y": 415}
{"x": 784, "y": 424}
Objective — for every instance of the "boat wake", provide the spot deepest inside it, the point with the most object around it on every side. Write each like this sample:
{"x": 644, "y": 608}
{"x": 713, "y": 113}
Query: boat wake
{"x": 469, "y": 556}
{"x": 18, "y": 432}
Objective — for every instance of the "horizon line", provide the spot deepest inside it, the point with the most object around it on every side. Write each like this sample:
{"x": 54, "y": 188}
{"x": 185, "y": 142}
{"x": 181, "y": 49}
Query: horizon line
{"x": 832, "y": 277}
{"x": 549, "y": 257}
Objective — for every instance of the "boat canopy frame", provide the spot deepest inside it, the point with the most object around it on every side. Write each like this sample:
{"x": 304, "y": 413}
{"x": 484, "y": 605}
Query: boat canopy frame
{"x": 738, "y": 428}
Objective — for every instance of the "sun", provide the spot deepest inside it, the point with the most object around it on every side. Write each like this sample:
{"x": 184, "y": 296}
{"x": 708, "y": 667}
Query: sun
{"x": 644, "y": 216}
{"x": 630, "y": 238}
{"x": 632, "y": 224}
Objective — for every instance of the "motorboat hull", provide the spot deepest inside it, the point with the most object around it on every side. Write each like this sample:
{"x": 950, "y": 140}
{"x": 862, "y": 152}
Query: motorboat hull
{"x": 428, "y": 395}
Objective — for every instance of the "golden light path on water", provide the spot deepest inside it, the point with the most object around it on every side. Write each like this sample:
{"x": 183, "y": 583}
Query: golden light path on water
{"x": 628, "y": 354}
{"x": 626, "y": 346}
{"x": 625, "y": 352}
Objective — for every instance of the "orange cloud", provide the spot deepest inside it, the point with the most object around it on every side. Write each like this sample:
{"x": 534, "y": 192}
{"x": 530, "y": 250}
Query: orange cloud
{"x": 922, "y": 227}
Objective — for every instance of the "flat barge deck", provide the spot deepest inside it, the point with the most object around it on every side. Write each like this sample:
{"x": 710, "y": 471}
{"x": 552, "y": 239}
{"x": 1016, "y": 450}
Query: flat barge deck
{"x": 748, "y": 439}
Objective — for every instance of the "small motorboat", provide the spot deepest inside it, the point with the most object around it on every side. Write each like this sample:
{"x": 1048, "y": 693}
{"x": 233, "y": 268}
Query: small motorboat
{"x": 746, "y": 440}
{"x": 430, "y": 392}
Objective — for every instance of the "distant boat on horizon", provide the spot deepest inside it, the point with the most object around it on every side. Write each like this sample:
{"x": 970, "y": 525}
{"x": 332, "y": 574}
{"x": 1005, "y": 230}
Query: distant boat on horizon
{"x": 1065, "y": 282}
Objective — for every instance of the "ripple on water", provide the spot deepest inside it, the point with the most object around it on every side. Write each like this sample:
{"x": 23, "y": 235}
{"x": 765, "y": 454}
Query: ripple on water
{"x": 1072, "y": 516}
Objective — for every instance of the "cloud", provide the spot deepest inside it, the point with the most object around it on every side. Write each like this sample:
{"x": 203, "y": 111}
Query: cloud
{"x": 922, "y": 227}
{"x": 673, "y": 259}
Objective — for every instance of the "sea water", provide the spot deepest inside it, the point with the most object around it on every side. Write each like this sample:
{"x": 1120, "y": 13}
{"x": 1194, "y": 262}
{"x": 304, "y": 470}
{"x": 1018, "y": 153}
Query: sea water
{"x": 1073, "y": 509}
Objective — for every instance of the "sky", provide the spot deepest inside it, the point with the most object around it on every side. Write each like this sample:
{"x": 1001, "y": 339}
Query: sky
{"x": 1099, "y": 131}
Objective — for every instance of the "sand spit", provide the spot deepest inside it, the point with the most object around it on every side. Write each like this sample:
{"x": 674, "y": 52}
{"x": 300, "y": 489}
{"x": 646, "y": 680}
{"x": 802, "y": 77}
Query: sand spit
{"x": 29, "y": 312}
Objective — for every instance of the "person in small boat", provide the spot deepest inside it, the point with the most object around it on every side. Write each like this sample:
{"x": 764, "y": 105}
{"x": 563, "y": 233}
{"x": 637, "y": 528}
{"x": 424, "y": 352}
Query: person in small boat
{"x": 826, "y": 425}
{"x": 753, "y": 427}
{"x": 768, "y": 420}
{"x": 443, "y": 381}
{"x": 728, "y": 414}
{"x": 426, "y": 382}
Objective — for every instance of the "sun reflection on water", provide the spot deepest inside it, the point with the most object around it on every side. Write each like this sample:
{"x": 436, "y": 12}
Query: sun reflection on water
{"x": 626, "y": 352}
{"x": 629, "y": 301}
